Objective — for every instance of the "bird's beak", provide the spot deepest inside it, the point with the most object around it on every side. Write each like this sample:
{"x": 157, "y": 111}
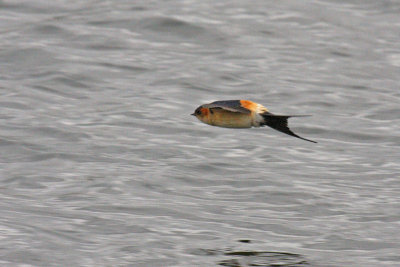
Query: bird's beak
{"x": 193, "y": 114}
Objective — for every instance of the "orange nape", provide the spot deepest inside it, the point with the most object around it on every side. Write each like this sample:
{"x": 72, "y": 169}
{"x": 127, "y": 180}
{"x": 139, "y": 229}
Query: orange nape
{"x": 204, "y": 111}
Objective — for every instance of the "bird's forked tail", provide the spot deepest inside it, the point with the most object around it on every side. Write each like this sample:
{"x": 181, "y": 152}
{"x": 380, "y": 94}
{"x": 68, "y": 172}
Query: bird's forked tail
{"x": 280, "y": 123}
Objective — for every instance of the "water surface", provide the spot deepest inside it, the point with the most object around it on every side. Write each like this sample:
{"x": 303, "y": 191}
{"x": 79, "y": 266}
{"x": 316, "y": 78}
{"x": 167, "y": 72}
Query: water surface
{"x": 101, "y": 163}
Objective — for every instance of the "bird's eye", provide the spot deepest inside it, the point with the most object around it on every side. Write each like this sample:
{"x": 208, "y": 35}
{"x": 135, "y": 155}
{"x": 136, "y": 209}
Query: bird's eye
{"x": 198, "y": 112}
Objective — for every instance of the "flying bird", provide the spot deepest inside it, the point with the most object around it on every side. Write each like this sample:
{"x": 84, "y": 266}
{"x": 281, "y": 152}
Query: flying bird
{"x": 243, "y": 114}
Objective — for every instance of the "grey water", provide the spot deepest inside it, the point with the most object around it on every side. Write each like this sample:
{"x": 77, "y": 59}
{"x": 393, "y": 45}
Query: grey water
{"x": 101, "y": 163}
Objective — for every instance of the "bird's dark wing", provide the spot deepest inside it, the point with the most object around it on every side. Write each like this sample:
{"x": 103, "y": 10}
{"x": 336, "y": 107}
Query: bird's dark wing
{"x": 280, "y": 123}
{"x": 229, "y": 105}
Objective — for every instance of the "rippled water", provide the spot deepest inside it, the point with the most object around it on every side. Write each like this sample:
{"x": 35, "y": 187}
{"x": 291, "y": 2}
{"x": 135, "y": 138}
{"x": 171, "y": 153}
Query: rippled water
{"x": 101, "y": 163}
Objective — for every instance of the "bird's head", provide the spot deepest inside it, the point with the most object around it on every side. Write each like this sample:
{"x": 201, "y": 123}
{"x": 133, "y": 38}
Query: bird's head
{"x": 201, "y": 113}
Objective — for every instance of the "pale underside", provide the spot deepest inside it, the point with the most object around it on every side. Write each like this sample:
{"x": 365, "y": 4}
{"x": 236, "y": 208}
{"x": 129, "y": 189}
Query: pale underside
{"x": 228, "y": 119}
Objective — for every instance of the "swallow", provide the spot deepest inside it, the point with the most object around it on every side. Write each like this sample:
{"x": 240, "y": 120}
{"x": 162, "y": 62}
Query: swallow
{"x": 243, "y": 114}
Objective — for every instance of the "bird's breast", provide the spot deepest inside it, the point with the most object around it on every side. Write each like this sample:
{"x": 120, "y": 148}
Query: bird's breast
{"x": 229, "y": 119}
